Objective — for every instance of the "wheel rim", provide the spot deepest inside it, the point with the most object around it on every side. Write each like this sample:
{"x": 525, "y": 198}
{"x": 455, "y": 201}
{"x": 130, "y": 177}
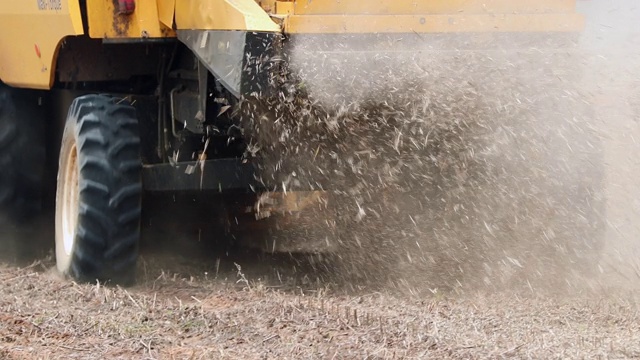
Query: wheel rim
{"x": 70, "y": 201}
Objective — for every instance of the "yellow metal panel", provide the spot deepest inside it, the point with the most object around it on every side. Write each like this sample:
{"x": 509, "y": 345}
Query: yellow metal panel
{"x": 105, "y": 22}
{"x": 223, "y": 15}
{"x": 284, "y": 8}
{"x": 31, "y": 34}
{"x": 332, "y": 24}
{"x": 433, "y": 7}
{"x": 166, "y": 9}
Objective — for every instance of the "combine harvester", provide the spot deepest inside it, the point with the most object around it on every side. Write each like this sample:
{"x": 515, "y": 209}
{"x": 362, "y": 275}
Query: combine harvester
{"x": 126, "y": 96}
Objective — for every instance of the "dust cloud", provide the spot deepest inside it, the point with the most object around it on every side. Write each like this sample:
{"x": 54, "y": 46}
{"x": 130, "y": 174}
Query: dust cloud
{"x": 612, "y": 40}
{"x": 465, "y": 162}
{"x": 452, "y": 163}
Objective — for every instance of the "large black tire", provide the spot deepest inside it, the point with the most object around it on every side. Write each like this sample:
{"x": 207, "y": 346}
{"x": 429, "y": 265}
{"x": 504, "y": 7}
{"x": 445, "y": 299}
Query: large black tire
{"x": 98, "y": 199}
{"x": 22, "y": 153}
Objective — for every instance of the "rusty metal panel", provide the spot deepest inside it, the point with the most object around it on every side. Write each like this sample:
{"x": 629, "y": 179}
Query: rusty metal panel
{"x": 268, "y": 5}
{"x": 32, "y": 31}
{"x": 106, "y": 22}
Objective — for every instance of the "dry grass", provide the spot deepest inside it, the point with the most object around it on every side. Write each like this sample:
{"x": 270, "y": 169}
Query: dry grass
{"x": 45, "y": 317}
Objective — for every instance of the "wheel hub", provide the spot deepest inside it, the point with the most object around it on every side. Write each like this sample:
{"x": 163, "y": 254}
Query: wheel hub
{"x": 70, "y": 201}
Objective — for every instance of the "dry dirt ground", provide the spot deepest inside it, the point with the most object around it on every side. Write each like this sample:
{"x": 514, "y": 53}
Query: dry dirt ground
{"x": 174, "y": 316}
{"x": 190, "y": 304}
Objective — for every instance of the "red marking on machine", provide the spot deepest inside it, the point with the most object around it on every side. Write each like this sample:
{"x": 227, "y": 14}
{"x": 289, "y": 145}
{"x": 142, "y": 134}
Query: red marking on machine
{"x": 126, "y": 7}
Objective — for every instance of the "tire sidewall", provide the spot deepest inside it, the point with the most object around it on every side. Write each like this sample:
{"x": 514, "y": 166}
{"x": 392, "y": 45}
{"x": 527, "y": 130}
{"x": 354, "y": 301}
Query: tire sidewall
{"x": 100, "y": 155}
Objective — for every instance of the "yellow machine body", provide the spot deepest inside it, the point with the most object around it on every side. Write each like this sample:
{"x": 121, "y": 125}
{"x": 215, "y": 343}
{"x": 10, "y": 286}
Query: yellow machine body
{"x": 30, "y": 35}
{"x": 33, "y": 31}
{"x": 409, "y": 16}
